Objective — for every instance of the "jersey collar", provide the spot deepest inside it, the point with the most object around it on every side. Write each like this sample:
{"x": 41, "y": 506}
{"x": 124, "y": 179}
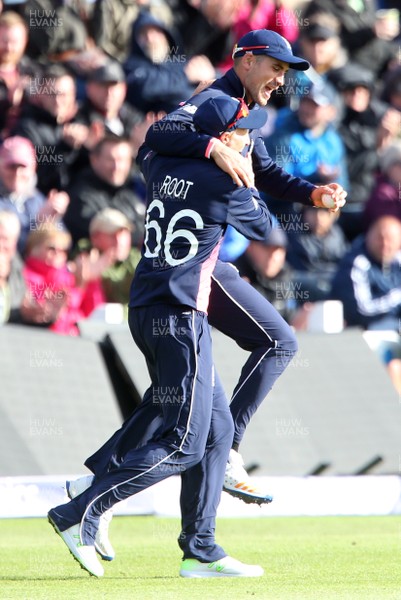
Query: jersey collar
{"x": 238, "y": 90}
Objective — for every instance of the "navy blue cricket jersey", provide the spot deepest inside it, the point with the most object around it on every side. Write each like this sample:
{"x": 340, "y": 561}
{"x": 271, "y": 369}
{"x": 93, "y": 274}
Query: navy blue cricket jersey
{"x": 189, "y": 204}
{"x": 175, "y": 135}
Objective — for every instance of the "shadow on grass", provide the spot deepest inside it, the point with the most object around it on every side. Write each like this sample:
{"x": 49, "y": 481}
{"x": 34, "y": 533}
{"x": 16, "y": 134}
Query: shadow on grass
{"x": 83, "y": 578}
{"x": 27, "y": 578}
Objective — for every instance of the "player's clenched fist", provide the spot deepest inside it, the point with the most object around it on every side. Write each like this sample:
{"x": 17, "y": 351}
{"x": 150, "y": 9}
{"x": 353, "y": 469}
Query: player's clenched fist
{"x": 331, "y": 196}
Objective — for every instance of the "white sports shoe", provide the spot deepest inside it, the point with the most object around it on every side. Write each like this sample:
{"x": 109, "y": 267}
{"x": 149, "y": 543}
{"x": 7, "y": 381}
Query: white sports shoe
{"x": 225, "y": 567}
{"x": 102, "y": 543}
{"x": 238, "y": 484}
{"x": 85, "y": 555}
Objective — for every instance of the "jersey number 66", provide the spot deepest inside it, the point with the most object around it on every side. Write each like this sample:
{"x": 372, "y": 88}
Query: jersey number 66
{"x": 170, "y": 234}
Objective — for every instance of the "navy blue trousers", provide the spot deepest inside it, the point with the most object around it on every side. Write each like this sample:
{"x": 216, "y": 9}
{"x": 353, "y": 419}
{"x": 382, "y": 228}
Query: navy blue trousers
{"x": 240, "y": 312}
{"x": 192, "y": 438}
{"x": 243, "y": 314}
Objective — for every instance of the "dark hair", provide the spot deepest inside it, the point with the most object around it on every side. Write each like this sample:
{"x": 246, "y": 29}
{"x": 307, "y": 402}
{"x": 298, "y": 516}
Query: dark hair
{"x": 109, "y": 139}
{"x": 55, "y": 71}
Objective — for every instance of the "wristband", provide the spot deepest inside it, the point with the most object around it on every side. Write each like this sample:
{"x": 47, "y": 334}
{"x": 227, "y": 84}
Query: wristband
{"x": 210, "y": 147}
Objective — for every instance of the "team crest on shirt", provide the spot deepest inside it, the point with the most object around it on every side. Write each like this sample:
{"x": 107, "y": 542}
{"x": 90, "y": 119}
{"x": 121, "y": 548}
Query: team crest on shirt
{"x": 190, "y": 108}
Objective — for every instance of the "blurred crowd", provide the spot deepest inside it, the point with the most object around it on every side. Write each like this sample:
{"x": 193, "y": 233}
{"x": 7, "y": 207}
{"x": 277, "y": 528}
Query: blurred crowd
{"x": 82, "y": 80}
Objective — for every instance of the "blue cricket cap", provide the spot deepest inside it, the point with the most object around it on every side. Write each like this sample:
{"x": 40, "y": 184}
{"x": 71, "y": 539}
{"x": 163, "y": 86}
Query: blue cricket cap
{"x": 223, "y": 113}
{"x": 270, "y": 43}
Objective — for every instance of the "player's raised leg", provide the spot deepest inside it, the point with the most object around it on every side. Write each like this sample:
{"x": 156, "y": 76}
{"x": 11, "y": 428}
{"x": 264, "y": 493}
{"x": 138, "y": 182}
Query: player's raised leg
{"x": 240, "y": 312}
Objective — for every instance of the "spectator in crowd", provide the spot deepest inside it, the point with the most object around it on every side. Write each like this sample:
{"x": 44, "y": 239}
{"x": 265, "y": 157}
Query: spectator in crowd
{"x": 105, "y": 184}
{"x": 49, "y": 122}
{"x": 5, "y": 268}
{"x": 137, "y": 137}
{"x": 264, "y": 265}
{"x": 387, "y": 24}
{"x": 51, "y": 285}
{"x": 386, "y": 195}
{"x": 248, "y": 15}
{"x": 266, "y": 14}
{"x": 321, "y": 43}
{"x": 306, "y": 143}
{"x": 108, "y": 255}
{"x": 368, "y": 282}
{"x": 367, "y": 126}
{"x": 157, "y": 67}
{"x": 314, "y": 252}
{"x": 12, "y": 285}
{"x": 111, "y": 23}
{"x": 18, "y": 192}
{"x": 206, "y": 28}
{"x": 359, "y": 31}
{"x": 138, "y": 132}
{"x": 105, "y": 101}
{"x": 56, "y": 31}
{"x": 18, "y": 306}
{"x": 368, "y": 279}
{"x": 14, "y": 68}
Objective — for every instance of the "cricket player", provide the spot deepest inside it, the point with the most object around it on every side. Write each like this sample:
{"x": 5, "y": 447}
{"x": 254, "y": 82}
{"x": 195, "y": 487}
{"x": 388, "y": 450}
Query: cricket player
{"x": 172, "y": 285}
{"x": 261, "y": 59}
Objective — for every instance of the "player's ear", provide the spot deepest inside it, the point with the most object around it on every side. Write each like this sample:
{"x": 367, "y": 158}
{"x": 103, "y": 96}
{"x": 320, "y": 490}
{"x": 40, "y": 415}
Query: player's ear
{"x": 225, "y": 137}
{"x": 248, "y": 60}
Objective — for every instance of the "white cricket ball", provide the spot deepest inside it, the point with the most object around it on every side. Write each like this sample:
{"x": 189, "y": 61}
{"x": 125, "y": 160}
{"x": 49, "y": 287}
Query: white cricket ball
{"x": 328, "y": 201}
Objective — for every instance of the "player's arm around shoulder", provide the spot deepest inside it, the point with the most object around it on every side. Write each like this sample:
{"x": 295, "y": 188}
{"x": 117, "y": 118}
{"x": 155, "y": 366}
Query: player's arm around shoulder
{"x": 248, "y": 213}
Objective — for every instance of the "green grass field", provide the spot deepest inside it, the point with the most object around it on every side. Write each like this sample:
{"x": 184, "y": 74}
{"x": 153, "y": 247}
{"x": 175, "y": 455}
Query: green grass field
{"x": 322, "y": 558}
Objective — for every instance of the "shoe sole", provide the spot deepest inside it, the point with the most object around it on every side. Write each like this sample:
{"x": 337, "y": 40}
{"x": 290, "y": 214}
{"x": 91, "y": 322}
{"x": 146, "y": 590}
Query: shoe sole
{"x": 100, "y": 553}
{"x": 103, "y": 556}
{"x": 247, "y": 498}
{"x": 75, "y": 557}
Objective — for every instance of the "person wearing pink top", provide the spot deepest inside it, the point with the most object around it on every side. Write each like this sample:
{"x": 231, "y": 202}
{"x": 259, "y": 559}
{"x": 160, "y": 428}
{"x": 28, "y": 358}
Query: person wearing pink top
{"x": 263, "y": 14}
{"x": 266, "y": 14}
{"x": 60, "y": 296}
